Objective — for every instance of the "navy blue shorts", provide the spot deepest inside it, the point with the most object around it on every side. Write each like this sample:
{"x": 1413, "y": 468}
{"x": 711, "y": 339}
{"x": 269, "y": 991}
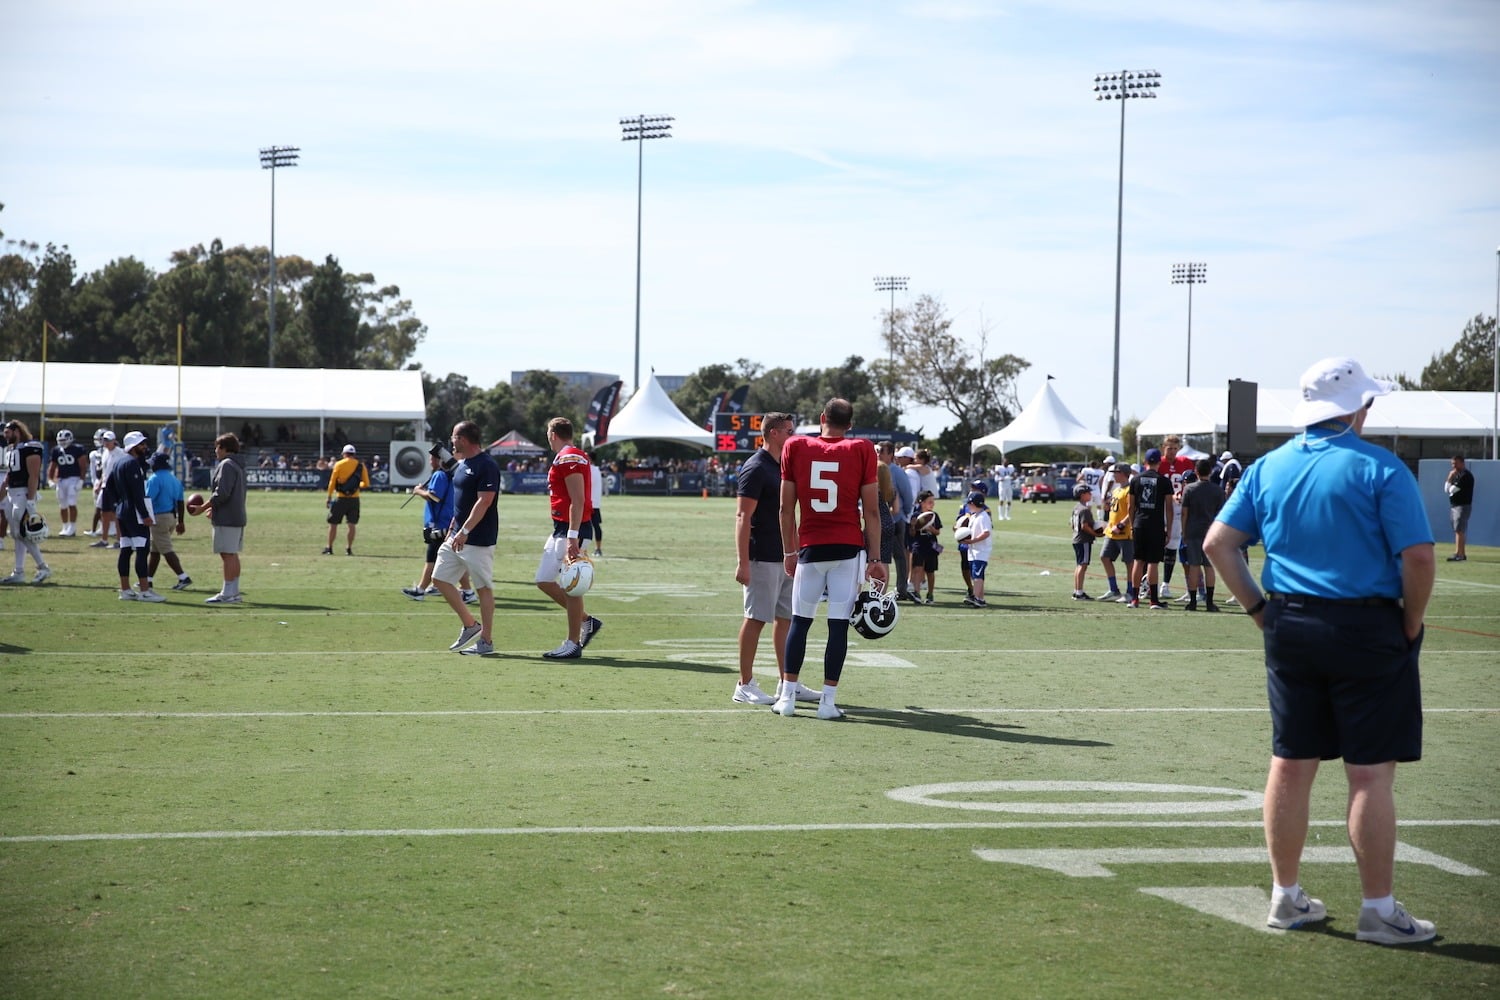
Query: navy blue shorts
{"x": 1342, "y": 682}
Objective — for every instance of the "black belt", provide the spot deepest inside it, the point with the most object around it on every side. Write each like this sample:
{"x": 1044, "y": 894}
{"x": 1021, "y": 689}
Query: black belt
{"x": 1306, "y": 600}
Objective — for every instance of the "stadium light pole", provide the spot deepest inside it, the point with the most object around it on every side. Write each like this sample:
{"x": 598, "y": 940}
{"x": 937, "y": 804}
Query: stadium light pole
{"x": 1190, "y": 275}
{"x": 271, "y": 158}
{"x": 1121, "y": 87}
{"x": 638, "y": 130}
{"x": 892, "y": 284}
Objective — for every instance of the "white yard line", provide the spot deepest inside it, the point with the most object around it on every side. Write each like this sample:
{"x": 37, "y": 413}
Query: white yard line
{"x": 522, "y": 831}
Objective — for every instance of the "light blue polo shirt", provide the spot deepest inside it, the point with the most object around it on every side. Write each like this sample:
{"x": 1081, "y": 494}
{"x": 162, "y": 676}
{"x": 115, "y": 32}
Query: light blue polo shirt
{"x": 164, "y": 490}
{"x": 1334, "y": 512}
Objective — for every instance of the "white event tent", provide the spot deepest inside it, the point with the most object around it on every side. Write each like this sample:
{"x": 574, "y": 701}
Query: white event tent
{"x": 651, "y": 414}
{"x": 1408, "y": 414}
{"x": 162, "y": 391}
{"x": 1045, "y": 420}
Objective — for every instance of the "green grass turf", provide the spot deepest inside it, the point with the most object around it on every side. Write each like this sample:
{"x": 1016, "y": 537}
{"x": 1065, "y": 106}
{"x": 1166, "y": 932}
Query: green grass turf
{"x": 370, "y": 815}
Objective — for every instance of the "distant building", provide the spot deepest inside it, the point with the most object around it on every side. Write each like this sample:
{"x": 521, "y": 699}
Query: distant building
{"x": 671, "y": 383}
{"x": 591, "y": 382}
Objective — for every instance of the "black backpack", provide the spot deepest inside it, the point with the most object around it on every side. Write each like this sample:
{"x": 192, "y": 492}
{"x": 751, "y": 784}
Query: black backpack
{"x": 350, "y": 486}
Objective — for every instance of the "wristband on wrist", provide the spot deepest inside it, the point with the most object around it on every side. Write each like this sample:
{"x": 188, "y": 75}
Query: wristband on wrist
{"x": 788, "y": 555}
{"x": 572, "y": 534}
{"x": 1256, "y": 608}
{"x": 464, "y": 530}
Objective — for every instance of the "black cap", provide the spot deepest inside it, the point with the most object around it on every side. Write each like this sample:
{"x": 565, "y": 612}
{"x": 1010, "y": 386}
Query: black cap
{"x": 161, "y": 460}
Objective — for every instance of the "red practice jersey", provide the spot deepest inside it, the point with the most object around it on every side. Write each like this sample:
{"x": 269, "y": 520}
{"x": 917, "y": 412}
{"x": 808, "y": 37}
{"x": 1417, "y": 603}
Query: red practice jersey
{"x": 569, "y": 461}
{"x": 829, "y": 474}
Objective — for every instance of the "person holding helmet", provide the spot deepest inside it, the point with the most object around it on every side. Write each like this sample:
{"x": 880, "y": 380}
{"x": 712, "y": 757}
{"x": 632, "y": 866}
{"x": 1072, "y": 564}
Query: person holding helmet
{"x": 65, "y": 470}
{"x": 23, "y": 477}
{"x": 125, "y": 494}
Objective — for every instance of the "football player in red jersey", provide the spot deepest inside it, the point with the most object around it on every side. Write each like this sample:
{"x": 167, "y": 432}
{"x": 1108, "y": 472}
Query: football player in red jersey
{"x": 568, "y": 486}
{"x": 827, "y": 490}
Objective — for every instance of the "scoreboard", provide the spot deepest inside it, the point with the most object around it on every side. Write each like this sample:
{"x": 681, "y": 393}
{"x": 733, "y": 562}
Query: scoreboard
{"x": 738, "y": 431}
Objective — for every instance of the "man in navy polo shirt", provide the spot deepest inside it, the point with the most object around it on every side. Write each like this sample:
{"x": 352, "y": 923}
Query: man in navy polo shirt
{"x": 470, "y": 544}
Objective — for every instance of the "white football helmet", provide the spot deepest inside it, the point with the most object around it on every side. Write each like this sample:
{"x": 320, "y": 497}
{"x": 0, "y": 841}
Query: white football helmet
{"x": 576, "y": 577}
{"x": 34, "y": 527}
{"x": 64, "y": 438}
{"x": 99, "y": 438}
{"x": 875, "y": 612}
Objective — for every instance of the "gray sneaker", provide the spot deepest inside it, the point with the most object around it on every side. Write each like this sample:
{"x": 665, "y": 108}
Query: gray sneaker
{"x": 150, "y": 597}
{"x": 223, "y": 598}
{"x": 481, "y": 648}
{"x": 1399, "y": 928}
{"x": 469, "y": 596}
{"x": 413, "y": 593}
{"x": 466, "y": 635}
{"x": 569, "y": 650}
{"x": 1294, "y": 911}
{"x": 183, "y": 584}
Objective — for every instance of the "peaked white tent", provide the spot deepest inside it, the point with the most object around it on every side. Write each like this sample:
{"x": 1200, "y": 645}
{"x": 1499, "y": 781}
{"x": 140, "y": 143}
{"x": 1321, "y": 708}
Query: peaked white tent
{"x": 1045, "y": 420}
{"x": 651, "y": 414}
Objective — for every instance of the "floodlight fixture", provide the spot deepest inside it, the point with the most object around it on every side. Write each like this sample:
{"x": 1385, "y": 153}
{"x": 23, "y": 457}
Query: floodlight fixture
{"x": 1190, "y": 275}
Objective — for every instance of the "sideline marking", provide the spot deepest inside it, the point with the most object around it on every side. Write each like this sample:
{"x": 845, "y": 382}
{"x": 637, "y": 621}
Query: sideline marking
{"x": 1244, "y": 905}
{"x": 748, "y": 712}
{"x": 1231, "y": 799}
{"x": 552, "y": 831}
{"x": 1090, "y": 863}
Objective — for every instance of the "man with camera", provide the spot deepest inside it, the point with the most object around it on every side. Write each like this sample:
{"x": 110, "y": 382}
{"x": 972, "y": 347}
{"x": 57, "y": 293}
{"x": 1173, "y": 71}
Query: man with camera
{"x": 348, "y": 477}
{"x": 437, "y": 514}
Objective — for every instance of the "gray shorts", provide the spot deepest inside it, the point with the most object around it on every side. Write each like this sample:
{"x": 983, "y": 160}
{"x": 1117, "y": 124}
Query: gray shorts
{"x": 1460, "y": 518}
{"x": 769, "y": 595}
{"x": 228, "y": 541}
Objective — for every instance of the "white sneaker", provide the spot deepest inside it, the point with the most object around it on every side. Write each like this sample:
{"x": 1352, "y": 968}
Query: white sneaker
{"x": 42, "y": 573}
{"x": 1166, "y": 592}
{"x": 223, "y": 598}
{"x": 805, "y": 693}
{"x": 1288, "y": 912}
{"x": 19, "y": 576}
{"x": 830, "y": 712}
{"x": 129, "y": 595}
{"x": 751, "y": 694}
{"x": 469, "y": 596}
{"x": 785, "y": 706}
{"x": 1399, "y": 928}
{"x": 152, "y": 597}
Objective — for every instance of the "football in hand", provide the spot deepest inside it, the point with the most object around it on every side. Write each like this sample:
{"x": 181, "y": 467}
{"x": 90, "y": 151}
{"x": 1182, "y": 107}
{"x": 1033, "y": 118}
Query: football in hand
{"x": 925, "y": 521}
{"x": 195, "y": 503}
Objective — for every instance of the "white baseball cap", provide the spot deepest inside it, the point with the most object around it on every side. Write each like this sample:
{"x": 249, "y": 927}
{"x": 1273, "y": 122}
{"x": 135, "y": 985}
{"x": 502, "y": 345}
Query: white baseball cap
{"x": 1334, "y": 387}
{"x": 348, "y": 449}
{"x": 1226, "y": 456}
{"x": 132, "y": 439}
{"x": 109, "y": 435}
{"x": 907, "y": 452}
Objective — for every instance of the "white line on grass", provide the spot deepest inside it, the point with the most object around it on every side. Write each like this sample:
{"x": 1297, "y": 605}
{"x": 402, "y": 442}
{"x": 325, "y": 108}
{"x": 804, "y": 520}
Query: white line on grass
{"x": 747, "y": 713}
{"x": 519, "y": 831}
{"x": 650, "y": 654}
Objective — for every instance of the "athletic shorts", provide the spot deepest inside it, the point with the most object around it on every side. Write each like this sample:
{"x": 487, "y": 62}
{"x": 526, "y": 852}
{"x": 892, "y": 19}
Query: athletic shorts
{"x": 1459, "y": 516}
{"x": 161, "y": 533}
{"x": 228, "y": 541}
{"x": 67, "y": 492}
{"x": 840, "y": 578}
{"x": 1119, "y": 548}
{"x": 132, "y": 541}
{"x": 1150, "y": 545}
{"x": 1342, "y": 682}
{"x": 924, "y": 558}
{"x": 1192, "y": 552}
{"x": 476, "y": 560}
{"x": 554, "y": 554}
{"x": 977, "y": 568}
{"x": 344, "y": 507}
{"x": 769, "y": 594}
{"x": 593, "y": 527}
{"x": 1083, "y": 553}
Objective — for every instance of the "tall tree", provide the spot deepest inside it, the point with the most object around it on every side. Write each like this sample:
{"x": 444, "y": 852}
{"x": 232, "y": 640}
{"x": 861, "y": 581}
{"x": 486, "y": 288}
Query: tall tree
{"x": 935, "y": 367}
{"x": 698, "y": 390}
{"x": 1468, "y": 365}
{"x": 446, "y": 399}
{"x": 494, "y": 410}
{"x": 330, "y": 315}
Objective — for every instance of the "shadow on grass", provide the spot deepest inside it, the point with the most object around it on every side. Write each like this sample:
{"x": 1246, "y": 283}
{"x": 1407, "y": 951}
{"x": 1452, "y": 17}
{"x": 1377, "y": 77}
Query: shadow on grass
{"x": 1481, "y": 954}
{"x": 950, "y": 724}
{"x": 6, "y": 647}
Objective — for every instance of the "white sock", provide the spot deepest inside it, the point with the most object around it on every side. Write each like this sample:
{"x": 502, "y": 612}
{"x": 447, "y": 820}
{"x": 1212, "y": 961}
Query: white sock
{"x": 1385, "y": 905}
{"x": 182, "y": 576}
{"x": 1277, "y": 891}
{"x": 231, "y": 587}
{"x": 826, "y": 698}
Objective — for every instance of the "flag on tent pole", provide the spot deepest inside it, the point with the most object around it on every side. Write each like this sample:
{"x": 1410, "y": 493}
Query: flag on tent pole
{"x": 601, "y": 410}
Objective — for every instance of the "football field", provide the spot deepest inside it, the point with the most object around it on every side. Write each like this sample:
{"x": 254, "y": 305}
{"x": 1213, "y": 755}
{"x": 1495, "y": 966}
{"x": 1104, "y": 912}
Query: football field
{"x": 308, "y": 796}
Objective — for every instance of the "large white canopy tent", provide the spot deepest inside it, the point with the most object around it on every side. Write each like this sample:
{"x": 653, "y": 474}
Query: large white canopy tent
{"x": 1045, "y": 420}
{"x": 164, "y": 391}
{"x": 1205, "y": 410}
{"x": 651, "y": 414}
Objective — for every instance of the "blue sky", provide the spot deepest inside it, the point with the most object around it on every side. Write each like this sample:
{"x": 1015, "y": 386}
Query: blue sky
{"x": 1335, "y": 164}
